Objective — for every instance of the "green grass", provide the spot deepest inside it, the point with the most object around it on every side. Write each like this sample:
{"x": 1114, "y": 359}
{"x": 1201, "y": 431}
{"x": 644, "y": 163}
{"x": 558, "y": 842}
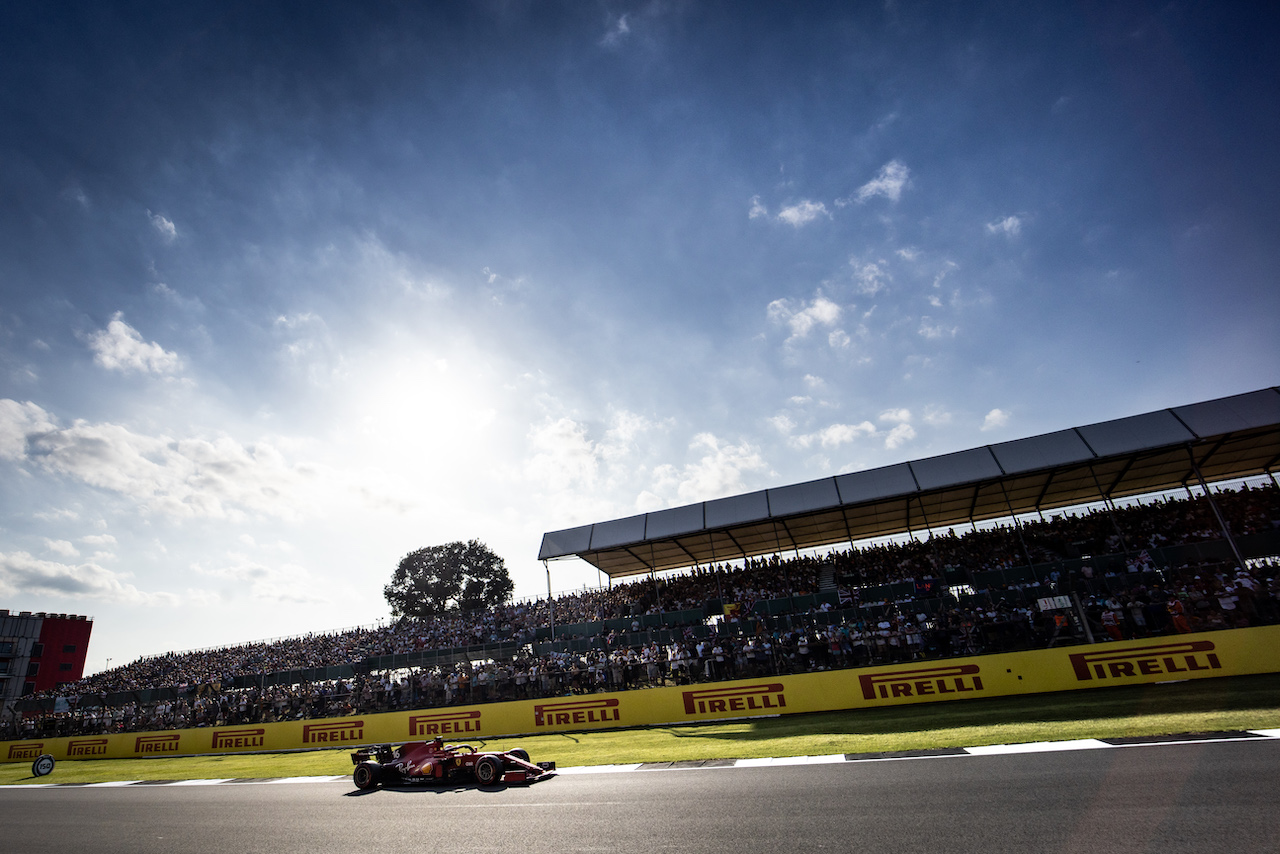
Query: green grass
{"x": 1208, "y": 705}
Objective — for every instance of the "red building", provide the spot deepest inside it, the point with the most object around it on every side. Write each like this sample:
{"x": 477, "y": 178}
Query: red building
{"x": 40, "y": 651}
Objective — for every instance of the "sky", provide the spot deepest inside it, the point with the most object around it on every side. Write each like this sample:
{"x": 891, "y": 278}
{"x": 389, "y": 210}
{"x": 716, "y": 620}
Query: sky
{"x": 290, "y": 290}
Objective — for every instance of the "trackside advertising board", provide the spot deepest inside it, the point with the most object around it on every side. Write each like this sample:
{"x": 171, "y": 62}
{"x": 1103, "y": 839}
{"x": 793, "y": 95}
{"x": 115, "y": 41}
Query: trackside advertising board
{"x": 1211, "y": 654}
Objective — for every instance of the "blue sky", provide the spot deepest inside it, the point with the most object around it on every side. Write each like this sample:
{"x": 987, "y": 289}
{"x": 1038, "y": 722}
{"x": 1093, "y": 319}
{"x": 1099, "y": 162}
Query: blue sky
{"x": 290, "y": 290}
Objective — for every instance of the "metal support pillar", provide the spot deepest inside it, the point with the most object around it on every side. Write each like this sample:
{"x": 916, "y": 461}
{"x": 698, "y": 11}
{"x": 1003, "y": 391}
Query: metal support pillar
{"x": 1110, "y": 505}
{"x": 1226, "y": 529}
{"x": 551, "y": 602}
{"x": 1026, "y": 552}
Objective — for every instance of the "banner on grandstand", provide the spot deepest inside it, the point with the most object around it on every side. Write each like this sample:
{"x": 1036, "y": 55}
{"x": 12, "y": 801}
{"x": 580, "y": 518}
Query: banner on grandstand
{"x": 1228, "y": 653}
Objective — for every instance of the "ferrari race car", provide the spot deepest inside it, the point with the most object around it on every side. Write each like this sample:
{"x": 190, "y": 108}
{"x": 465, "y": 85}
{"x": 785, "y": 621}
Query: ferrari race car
{"x": 419, "y": 762}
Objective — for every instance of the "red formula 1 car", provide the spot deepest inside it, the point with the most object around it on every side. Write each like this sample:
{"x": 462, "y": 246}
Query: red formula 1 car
{"x": 418, "y": 762}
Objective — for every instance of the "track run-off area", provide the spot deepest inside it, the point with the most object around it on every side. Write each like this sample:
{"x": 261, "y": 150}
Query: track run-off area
{"x": 1206, "y": 793}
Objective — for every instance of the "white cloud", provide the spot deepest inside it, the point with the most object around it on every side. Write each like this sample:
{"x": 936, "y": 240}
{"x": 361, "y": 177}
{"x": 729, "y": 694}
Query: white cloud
{"x": 783, "y": 423}
{"x": 758, "y": 210}
{"x": 889, "y": 119}
{"x": 899, "y": 436}
{"x": 191, "y": 304}
{"x": 184, "y": 478}
{"x": 22, "y": 573}
{"x": 840, "y": 434}
{"x": 623, "y": 434}
{"x": 1010, "y": 226}
{"x": 308, "y": 347}
{"x": 802, "y": 213}
{"x": 163, "y": 226}
{"x": 617, "y": 32}
{"x": 803, "y": 319}
{"x": 278, "y": 546}
{"x": 62, "y": 514}
{"x": 501, "y": 287}
{"x": 717, "y": 473}
{"x": 625, "y": 427}
{"x": 947, "y": 267}
{"x": 936, "y": 416}
{"x": 870, "y": 277}
{"x": 375, "y": 263}
{"x": 893, "y": 176}
{"x": 119, "y": 347}
{"x": 834, "y": 435}
{"x": 287, "y": 583}
{"x": 563, "y": 456}
{"x": 76, "y": 194}
{"x": 935, "y": 330}
{"x": 62, "y": 548}
{"x": 995, "y": 419}
{"x": 17, "y": 422}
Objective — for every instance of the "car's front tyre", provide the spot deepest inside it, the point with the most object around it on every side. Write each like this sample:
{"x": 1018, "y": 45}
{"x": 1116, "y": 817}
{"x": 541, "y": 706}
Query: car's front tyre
{"x": 488, "y": 770}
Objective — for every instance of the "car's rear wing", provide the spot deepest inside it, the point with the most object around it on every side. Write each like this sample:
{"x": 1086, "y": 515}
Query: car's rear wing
{"x": 377, "y": 753}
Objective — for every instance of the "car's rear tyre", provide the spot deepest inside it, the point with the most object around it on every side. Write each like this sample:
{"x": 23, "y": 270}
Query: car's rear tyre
{"x": 367, "y": 775}
{"x": 488, "y": 770}
{"x": 520, "y": 753}
{"x": 42, "y": 766}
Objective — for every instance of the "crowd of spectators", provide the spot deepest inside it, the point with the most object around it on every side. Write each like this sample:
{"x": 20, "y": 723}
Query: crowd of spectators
{"x": 1145, "y": 597}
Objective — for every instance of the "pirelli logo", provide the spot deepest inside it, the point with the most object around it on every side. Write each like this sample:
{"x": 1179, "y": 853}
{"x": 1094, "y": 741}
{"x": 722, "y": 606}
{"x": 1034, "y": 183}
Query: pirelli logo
{"x": 927, "y": 681}
{"x": 446, "y": 723}
{"x": 743, "y": 698}
{"x": 1154, "y": 660}
{"x": 576, "y": 712}
{"x": 231, "y": 739}
{"x": 339, "y": 732}
{"x": 26, "y": 750}
{"x": 157, "y": 743}
{"x": 87, "y": 747}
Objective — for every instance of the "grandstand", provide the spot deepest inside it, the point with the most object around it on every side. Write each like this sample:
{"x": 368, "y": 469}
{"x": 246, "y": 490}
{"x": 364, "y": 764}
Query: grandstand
{"x": 1218, "y": 440}
{"x": 732, "y": 602}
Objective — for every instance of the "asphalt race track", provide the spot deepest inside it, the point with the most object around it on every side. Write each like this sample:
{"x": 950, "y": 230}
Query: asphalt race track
{"x": 1215, "y": 796}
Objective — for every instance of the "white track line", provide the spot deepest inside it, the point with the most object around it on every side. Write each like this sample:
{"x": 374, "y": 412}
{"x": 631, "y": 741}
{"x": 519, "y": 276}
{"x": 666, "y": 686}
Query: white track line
{"x": 1037, "y": 747}
{"x": 773, "y": 762}
{"x": 599, "y": 769}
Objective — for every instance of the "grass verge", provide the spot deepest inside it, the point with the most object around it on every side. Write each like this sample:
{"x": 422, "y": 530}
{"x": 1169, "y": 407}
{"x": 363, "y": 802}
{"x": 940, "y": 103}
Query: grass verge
{"x": 1208, "y": 705}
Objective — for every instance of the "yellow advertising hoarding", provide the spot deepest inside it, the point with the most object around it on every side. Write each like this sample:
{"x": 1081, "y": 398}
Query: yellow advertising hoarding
{"x": 1228, "y": 653}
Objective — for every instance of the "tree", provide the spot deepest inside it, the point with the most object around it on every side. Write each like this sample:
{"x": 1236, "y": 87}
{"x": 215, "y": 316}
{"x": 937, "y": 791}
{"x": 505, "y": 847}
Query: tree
{"x": 455, "y": 577}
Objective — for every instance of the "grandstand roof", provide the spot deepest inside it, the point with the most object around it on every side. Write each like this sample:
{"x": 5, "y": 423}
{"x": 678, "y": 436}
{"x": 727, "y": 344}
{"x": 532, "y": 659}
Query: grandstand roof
{"x": 1231, "y": 437}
